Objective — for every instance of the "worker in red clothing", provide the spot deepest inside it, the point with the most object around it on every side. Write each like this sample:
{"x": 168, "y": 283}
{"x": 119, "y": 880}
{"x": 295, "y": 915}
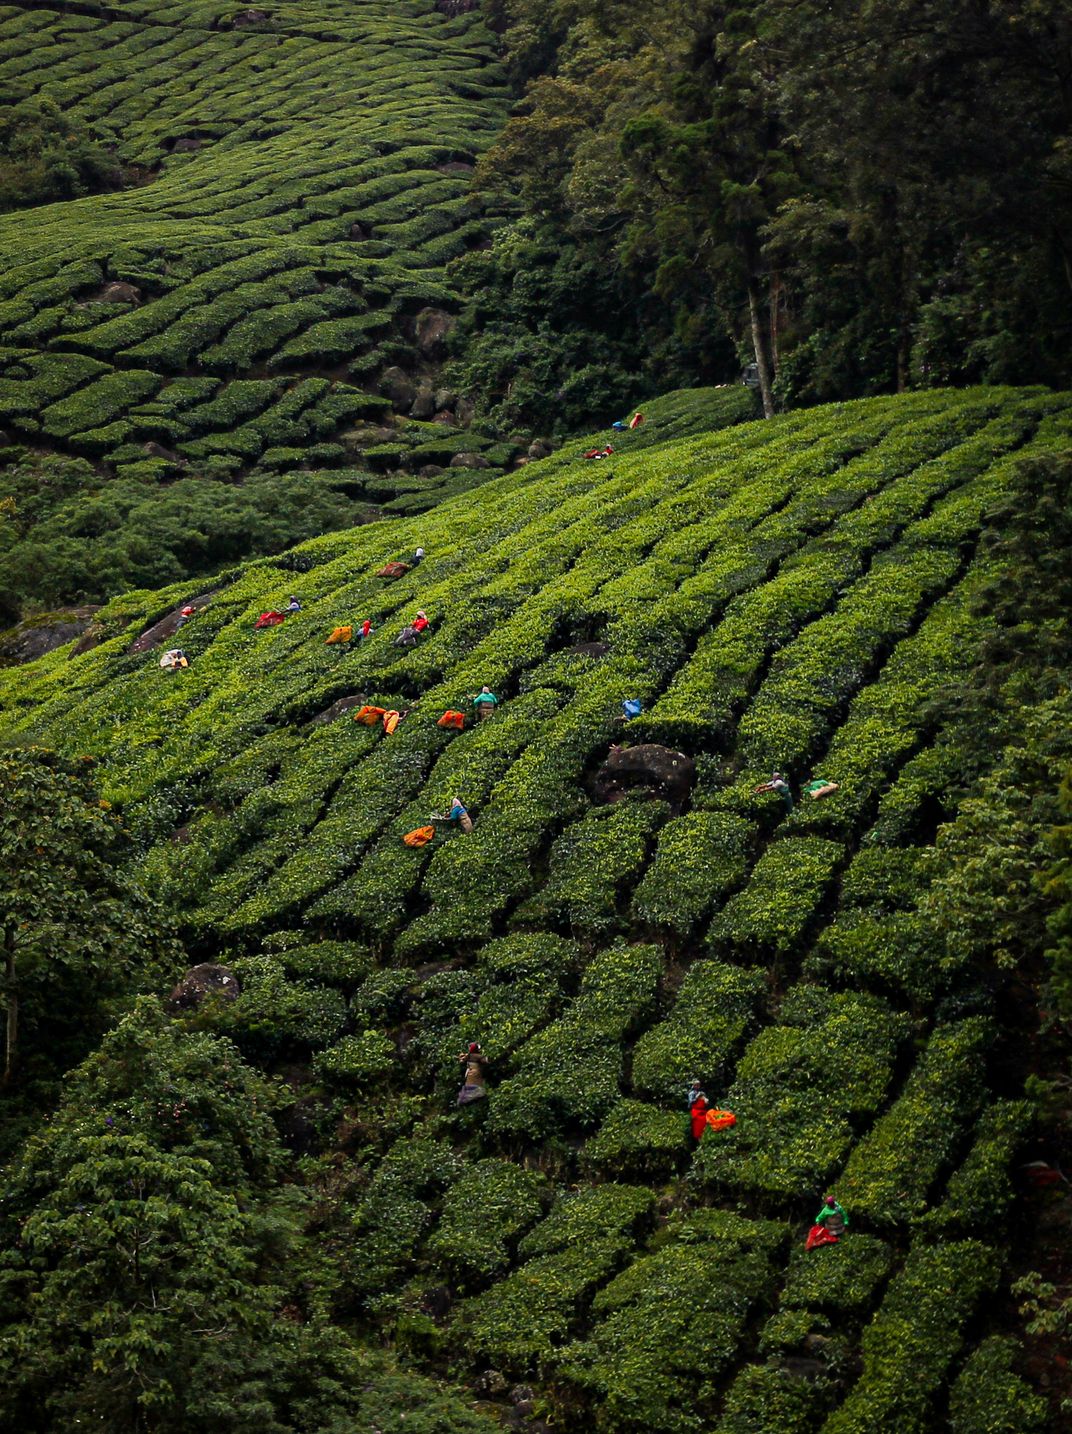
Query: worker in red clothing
{"x": 420, "y": 623}
{"x": 365, "y": 629}
{"x": 698, "y": 1114}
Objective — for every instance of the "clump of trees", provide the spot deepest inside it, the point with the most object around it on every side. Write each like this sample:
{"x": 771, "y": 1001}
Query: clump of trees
{"x": 854, "y": 200}
{"x": 69, "y": 535}
{"x": 44, "y": 157}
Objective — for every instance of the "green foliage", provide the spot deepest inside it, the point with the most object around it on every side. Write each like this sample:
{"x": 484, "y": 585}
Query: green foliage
{"x": 69, "y": 537}
{"x": 798, "y": 1089}
{"x": 916, "y": 1334}
{"x": 357, "y": 1061}
{"x": 700, "y": 859}
{"x": 714, "y": 1007}
{"x": 395, "y": 1214}
{"x": 591, "y": 863}
{"x": 862, "y": 186}
{"x": 739, "y": 580}
{"x": 76, "y": 930}
{"x": 839, "y": 1278}
{"x": 770, "y": 1399}
{"x": 894, "y": 1166}
{"x": 989, "y": 1397}
{"x": 980, "y": 1190}
{"x": 567, "y": 1256}
{"x": 770, "y": 916}
{"x": 274, "y": 1016}
{"x": 44, "y": 159}
{"x": 484, "y": 1214}
{"x": 696, "y": 1291}
{"x": 638, "y": 1141}
{"x": 570, "y": 1072}
{"x": 164, "y": 1139}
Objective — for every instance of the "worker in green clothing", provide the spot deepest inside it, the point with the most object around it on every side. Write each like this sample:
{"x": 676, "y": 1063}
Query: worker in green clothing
{"x": 832, "y": 1217}
{"x": 485, "y": 703}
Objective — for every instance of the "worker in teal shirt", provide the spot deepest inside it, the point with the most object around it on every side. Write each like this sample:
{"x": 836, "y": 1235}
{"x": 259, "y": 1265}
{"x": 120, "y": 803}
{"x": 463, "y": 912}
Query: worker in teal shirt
{"x": 832, "y": 1217}
{"x": 485, "y": 703}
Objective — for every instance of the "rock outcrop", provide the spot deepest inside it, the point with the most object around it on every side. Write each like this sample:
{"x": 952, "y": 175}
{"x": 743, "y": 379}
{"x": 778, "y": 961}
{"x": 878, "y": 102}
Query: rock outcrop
{"x": 38, "y": 635}
{"x": 654, "y": 771}
{"x": 201, "y": 982}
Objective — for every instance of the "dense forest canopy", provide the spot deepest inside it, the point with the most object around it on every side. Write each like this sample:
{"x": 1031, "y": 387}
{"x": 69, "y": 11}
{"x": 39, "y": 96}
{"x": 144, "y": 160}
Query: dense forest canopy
{"x": 856, "y": 198}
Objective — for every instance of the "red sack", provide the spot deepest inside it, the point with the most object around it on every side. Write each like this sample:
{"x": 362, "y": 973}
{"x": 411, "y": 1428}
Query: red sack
{"x": 393, "y": 570}
{"x": 452, "y": 719}
{"x": 819, "y": 1235}
{"x": 269, "y": 619}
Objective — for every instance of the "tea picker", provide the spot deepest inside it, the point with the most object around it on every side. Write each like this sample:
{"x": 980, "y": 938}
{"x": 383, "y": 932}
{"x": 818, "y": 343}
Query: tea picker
{"x": 780, "y": 786}
{"x": 818, "y": 788}
{"x": 830, "y": 1224}
{"x": 703, "y": 1116}
{"x": 484, "y": 703}
{"x": 475, "y": 1062}
{"x": 457, "y": 813}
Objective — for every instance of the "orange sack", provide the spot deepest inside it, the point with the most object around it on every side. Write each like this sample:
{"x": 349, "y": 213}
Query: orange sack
{"x": 339, "y": 634}
{"x": 369, "y": 716}
{"x": 452, "y": 719}
{"x": 391, "y": 721}
{"x": 420, "y": 837}
{"x": 720, "y": 1119}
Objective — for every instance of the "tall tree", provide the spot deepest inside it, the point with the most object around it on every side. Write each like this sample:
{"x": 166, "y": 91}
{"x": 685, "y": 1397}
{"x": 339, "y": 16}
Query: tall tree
{"x": 74, "y": 928}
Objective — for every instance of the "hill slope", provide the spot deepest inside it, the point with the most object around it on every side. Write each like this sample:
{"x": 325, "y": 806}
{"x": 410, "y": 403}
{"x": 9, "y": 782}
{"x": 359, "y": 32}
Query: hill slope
{"x": 792, "y": 595}
{"x": 309, "y": 173}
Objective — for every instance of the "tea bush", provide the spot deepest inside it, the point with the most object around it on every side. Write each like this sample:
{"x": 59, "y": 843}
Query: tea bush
{"x": 484, "y": 1214}
{"x": 916, "y": 1334}
{"x": 989, "y": 1397}
{"x": 714, "y": 1007}
{"x": 696, "y": 1291}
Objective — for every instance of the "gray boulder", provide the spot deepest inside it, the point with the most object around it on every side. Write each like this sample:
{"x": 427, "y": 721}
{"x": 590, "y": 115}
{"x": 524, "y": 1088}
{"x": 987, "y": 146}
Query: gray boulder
{"x": 656, "y": 772}
{"x": 397, "y": 385}
{"x": 424, "y": 405}
{"x": 433, "y": 326}
{"x": 116, "y": 293}
{"x": 469, "y": 460}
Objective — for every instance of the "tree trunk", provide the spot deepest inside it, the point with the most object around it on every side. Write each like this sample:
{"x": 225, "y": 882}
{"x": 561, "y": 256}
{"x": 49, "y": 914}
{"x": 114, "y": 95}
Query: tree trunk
{"x": 759, "y": 345}
{"x": 12, "y": 1026}
{"x": 776, "y": 287}
{"x": 904, "y": 349}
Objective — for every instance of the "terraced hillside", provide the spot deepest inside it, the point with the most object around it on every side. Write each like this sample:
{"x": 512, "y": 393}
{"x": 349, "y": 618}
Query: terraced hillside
{"x": 307, "y": 172}
{"x": 791, "y": 595}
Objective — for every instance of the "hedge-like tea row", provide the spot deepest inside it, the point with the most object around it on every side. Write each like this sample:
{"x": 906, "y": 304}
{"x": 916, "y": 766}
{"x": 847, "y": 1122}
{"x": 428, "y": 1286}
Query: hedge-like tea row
{"x": 916, "y": 1334}
{"x": 526, "y": 1317}
{"x": 696, "y": 1292}
{"x": 800, "y": 1087}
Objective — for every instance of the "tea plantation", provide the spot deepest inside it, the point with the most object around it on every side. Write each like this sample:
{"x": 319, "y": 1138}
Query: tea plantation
{"x": 303, "y": 179}
{"x": 801, "y": 595}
